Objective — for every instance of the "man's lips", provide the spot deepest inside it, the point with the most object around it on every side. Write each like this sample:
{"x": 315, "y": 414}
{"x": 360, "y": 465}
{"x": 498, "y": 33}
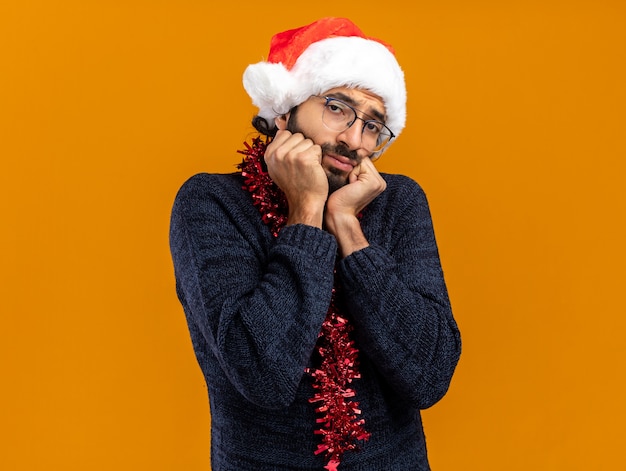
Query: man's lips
{"x": 339, "y": 161}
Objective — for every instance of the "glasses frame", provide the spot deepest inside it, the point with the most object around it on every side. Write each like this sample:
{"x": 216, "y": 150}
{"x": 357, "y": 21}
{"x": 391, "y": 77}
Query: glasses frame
{"x": 329, "y": 99}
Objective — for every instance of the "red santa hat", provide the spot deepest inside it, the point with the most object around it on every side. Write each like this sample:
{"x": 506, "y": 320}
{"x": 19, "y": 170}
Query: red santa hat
{"x": 329, "y": 53}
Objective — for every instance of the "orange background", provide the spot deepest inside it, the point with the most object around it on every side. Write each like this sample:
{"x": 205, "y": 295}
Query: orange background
{"x": 516, "y": 130}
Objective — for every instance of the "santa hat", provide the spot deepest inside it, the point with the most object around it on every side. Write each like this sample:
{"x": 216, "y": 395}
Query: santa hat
{"x": 329, "y": 53}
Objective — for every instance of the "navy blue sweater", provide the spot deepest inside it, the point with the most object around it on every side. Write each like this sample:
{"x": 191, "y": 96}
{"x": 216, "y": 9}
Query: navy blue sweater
{"x": 255, "y": 303}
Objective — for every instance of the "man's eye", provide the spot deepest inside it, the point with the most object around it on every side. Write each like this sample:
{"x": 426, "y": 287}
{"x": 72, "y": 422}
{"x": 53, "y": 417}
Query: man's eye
{"x": 373, "y": 126}
{"x": 335, "y": 108}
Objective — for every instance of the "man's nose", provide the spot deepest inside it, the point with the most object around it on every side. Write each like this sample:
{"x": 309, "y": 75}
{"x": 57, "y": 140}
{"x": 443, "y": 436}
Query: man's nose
{"x": 351, "y": 137}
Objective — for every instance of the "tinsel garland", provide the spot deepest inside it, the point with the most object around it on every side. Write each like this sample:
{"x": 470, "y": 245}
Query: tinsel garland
{"x": 340, "y": 428}
{"x": 266, "y": 195}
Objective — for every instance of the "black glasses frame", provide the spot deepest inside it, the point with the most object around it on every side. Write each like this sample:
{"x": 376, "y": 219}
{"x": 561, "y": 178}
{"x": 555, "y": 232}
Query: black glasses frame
{"x": 330, "y": 99}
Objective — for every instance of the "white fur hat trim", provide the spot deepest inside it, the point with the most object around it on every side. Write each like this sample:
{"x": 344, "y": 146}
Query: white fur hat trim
{"x": 349, "y": 61}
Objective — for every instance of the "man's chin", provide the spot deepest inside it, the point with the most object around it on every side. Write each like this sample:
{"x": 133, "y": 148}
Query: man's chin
{"x": 335, "y": 182}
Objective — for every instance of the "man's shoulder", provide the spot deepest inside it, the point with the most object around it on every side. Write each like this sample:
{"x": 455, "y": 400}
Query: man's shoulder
{"x": 205, "y": 178}
{"x": 210, "y": 183}
{"x": 203, "y": 189}
{"x": 400, "y": 184}
{"x": 398, "y": 178}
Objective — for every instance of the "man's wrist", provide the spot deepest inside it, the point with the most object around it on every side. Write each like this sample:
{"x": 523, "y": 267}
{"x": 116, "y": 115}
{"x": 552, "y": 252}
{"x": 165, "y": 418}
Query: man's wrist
{"x": 347, "y": 230}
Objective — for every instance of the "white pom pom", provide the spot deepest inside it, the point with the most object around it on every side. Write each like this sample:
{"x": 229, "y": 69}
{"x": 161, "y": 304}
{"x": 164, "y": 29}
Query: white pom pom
{"x": 270, "y": 86}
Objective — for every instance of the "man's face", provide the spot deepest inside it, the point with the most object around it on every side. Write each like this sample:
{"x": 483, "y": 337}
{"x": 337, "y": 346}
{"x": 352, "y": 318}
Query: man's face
{"x": 341, "y": 151}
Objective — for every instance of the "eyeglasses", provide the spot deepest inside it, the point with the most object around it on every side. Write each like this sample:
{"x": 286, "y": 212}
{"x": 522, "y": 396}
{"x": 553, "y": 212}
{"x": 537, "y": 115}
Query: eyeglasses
{"x": 340, "y": 116}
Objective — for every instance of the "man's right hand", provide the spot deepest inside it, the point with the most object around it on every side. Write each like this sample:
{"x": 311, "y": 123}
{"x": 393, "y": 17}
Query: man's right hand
{"x": 294, "y": 164}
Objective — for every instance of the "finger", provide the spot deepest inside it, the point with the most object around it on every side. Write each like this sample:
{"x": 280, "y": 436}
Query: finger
{"x": 367, "y": 166}
{"x": 280, "y": 148}
{"x": 281, "y": 136}
{"x": 302, "y": 149}
{"x": 362, "y": 169}
{"x": 353, "y": 176}
{"x": 279, "y": 140}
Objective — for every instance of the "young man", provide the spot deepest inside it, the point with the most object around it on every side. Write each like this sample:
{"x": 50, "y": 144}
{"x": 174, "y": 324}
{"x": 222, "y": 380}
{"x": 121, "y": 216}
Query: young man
{"x": 311, "y": 283}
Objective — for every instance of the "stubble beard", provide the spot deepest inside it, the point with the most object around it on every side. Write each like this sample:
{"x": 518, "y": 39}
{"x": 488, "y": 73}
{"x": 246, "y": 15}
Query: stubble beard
{"x": 336, "y": 178}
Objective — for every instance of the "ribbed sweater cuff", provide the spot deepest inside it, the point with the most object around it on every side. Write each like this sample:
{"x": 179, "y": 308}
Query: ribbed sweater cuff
{"x": 363, "y": 264}
{"x": 316, "y": 241}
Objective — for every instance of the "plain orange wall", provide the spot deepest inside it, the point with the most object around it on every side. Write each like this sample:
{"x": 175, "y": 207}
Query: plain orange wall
{"x": 516, "y": 130}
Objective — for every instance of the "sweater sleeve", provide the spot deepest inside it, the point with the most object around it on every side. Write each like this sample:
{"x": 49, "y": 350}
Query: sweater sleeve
{"x": 399, "y": 301}
{"x": 255, "y": 302}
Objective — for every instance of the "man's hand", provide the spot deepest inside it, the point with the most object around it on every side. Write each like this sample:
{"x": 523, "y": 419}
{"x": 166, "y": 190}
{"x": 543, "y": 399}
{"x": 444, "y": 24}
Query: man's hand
{"x": 344, "y": 205}
{"x": 294, "y": 164}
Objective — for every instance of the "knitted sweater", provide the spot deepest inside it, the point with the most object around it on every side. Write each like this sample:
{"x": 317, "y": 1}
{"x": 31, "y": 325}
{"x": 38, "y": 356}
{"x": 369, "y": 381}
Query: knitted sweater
{"x": 255, "y": 303}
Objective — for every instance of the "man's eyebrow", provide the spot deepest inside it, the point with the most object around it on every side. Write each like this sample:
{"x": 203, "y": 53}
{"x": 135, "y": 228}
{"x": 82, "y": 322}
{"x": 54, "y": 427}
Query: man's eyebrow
{"x": 371, "y": 113}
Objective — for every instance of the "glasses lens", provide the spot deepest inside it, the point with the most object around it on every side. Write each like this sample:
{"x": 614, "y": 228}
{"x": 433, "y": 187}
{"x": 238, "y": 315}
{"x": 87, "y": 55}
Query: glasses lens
{"x": 339, "y": 116}
{"x": 375, "y": 135}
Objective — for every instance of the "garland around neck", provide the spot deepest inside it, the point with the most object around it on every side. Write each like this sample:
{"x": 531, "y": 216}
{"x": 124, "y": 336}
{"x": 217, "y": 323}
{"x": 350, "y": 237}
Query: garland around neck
{"x": 341, "y": 429}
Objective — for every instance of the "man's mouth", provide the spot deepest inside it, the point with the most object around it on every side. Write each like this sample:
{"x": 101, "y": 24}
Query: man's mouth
{"x": 340, "y": 162}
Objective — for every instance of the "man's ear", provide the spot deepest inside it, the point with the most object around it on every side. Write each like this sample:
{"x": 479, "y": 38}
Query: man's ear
{"x": 281, "y": 121}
